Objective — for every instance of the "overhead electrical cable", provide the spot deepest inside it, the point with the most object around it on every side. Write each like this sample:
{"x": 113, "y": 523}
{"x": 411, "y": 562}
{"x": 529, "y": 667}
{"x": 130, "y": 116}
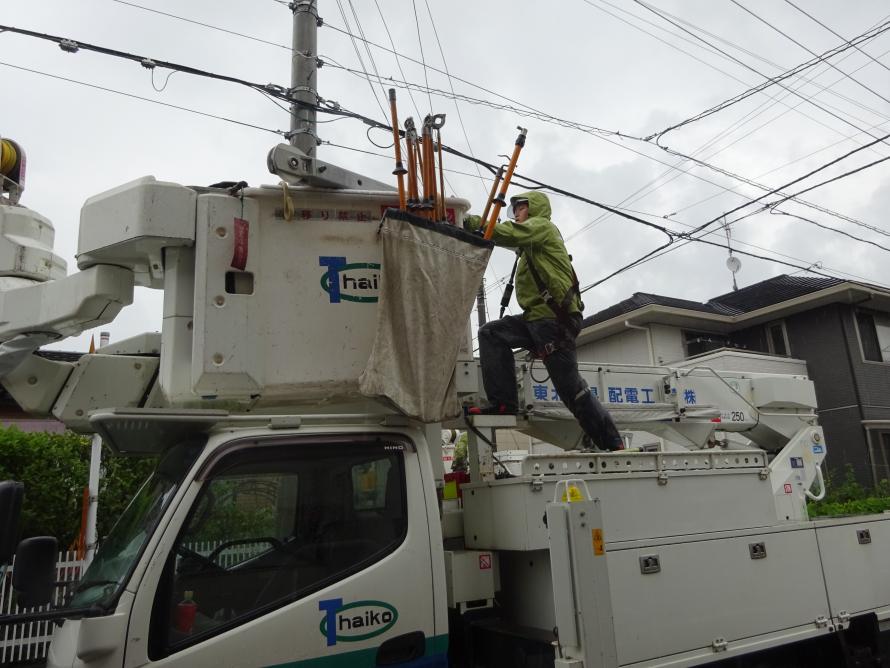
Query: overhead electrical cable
{"x": 460, "y": 118}
{"x": 362, "y": 64}
{"x": 426, "y": 77}
{"x": 801, "y": 178}
{"x": 361, "y": 32}
{"x": 775, "y": 211}
{"x": 202, "y": 24}
{"x": 395, "y": 53}
{"x": 769, "y": 81}
{"x": 333, "y": 108}
{"x": 808, "y": 50}
{"x": 711, "y": 51}
{"x": 143, "y": 99}
{"x": 838, "y": 35}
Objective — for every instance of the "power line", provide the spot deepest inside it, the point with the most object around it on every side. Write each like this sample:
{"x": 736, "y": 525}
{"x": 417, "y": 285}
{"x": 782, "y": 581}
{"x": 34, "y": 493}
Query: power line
{"x": 362, "y": 63}
{"x": 864, "y": 53}
{"x": 675, "y": 36}
{"x": 144, "y": 99}
{"x": 332, "y": 108}
{"x": 801, "y": 178}
{"x": 826, "y": 227}
{"x": 770, "y": 81}
{"x": 460, "y": 118}
{"x": 395, "y": 53}
{"x": 807, "y": 49}
{"x": 422, "y": 57}
{"x": 725, "y": 172}
{"x": 205, "y": 25}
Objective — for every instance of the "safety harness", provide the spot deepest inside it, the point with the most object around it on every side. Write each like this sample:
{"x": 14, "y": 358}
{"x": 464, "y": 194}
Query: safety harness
{"x": 560, "y": 309}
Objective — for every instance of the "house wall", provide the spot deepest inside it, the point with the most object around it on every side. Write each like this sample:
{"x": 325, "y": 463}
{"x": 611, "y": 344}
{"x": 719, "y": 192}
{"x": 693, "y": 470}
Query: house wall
{"x": 668, "y": 343}
{"x": 848, "y": 389}
{"x": 628, "y": 347}
{"x": 632, "y": 347}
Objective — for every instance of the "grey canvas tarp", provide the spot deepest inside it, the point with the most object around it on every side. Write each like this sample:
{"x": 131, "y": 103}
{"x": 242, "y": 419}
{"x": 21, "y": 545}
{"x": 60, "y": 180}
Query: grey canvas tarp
{"x": 430, "y": 274}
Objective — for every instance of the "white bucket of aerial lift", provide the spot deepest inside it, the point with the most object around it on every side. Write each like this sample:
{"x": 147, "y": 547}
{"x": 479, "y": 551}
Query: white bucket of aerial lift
{"x": 130, "y": 225}
{"x": 26, "y": 248}
{"x": 296, "y": 325}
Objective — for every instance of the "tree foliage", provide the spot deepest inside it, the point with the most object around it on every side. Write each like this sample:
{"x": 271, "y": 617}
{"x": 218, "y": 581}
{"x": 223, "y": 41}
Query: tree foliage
{"x": 55, "y": 470}
{"x": 846, "y": 496}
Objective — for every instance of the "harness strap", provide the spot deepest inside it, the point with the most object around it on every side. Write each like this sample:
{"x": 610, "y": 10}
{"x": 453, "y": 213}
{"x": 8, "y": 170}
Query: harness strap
{"x": 560, "y": 309}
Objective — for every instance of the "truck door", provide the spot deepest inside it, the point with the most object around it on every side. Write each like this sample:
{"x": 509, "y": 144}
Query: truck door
{"x": 302, "y": 553}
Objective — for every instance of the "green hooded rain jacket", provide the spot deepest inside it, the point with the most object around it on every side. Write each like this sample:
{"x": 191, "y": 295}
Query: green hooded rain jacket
{"x": 539, "y": 239}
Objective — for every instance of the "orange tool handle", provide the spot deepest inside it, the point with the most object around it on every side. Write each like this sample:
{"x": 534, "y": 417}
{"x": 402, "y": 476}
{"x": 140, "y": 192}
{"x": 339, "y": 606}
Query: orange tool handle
{"x": 491, "y": 195}
{"x": 400, "y": 170}
{"x": 500, "y": 201}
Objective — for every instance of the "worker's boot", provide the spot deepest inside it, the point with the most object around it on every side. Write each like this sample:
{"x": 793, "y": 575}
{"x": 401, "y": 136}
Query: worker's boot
{"x": 588, "y": 445}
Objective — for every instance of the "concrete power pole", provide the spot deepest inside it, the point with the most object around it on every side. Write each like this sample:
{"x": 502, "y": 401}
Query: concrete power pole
{"x": 91, "y": 537}
{"x": 481, "y": 311}
{"x": 304, "y": 72}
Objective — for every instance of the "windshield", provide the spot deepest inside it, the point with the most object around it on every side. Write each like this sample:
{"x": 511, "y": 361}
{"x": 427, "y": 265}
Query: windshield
{"x": 120, "y": 550}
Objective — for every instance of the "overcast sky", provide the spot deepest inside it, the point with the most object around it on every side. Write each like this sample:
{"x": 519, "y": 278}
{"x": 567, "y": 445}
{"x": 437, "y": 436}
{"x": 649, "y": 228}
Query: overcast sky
{"x": 611, "y": 64}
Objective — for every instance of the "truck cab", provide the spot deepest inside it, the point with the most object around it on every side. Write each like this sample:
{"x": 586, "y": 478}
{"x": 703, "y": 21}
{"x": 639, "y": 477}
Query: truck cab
{"x": 244, "y": 538}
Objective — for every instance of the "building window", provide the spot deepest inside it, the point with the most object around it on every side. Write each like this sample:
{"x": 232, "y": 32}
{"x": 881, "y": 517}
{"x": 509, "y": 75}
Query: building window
{"x": 874, "y": 335}
{"x": 881, "y": 462}
{"x": 273, "y": 524}
{"x": 698, "y": 343}
{"x": 777, "y": 338}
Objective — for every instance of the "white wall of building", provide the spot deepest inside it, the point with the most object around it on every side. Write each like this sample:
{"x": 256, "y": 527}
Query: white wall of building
{"x": 632, "y": 347}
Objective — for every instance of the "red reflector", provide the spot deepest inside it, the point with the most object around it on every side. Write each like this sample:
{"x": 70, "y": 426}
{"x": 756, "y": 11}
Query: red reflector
{"x": 716, "y": 420}
{"x": 239, "y": 257}
{"x": 788, "y": 488}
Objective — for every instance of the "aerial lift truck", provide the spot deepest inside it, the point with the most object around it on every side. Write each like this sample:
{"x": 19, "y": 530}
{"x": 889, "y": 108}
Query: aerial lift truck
{"x": 298, "y": 515}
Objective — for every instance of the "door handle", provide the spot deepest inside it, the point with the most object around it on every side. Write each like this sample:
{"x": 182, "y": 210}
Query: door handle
{"x": 406, "y": 647}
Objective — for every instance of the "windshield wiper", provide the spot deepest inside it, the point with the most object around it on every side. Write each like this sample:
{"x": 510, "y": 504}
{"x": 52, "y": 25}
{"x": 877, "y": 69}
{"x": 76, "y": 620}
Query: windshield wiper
{"x": 83, "y": 586}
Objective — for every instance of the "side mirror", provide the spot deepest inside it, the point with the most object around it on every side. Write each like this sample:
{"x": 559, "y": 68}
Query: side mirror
{"x": 11, "y": 494}
{"x": 34, "y": 575}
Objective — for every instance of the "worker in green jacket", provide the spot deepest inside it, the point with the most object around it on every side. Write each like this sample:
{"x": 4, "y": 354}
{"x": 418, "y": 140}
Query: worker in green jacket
{"x": 548, "y": 293}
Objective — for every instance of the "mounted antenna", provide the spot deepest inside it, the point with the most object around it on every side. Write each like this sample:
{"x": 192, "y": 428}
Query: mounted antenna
{"x": 732, "y": 262}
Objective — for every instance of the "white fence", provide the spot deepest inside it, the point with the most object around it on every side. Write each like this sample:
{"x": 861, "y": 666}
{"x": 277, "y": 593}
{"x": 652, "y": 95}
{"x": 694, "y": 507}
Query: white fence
{"x": 29, "y": 642}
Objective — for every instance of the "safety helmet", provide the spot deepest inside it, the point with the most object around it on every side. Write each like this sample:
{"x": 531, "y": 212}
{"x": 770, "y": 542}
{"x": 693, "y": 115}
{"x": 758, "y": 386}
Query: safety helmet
{"x": 517, "y": 201}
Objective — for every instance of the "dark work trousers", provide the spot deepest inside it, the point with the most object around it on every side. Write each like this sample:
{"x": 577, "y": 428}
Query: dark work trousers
{"x": 555, "y": 343}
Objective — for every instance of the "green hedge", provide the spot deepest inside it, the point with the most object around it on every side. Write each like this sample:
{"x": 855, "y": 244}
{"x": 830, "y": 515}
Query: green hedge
{"x": 55, "y": 469}
{"x": 845, "y": 496}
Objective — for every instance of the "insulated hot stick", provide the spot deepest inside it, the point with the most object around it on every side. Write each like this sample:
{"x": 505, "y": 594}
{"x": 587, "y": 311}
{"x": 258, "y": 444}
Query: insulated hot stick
{"x": 491, "y": 195}
{"x": 442, "y": 213}
{"x": 501, "y": 198}
{"x": 400, "y": 170}
{"x": 410, "y": 143}
{"x": 430, "y": 187}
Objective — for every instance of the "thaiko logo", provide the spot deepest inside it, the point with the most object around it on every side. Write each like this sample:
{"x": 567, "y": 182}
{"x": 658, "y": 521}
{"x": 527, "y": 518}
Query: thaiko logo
{"x": 355, "y": 621}
{"x": 351, "y": 282}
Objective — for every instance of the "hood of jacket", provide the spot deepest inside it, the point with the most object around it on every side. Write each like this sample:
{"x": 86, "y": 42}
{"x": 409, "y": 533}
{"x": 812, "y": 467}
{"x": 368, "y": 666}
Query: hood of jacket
{"x": 538, "y": 204}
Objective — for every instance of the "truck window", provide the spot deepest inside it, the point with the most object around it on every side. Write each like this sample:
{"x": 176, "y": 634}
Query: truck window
{"x": 273, "y": 524}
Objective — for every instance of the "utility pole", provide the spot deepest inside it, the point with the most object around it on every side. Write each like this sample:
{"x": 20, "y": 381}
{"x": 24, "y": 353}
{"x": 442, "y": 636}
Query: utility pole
{"x": 296, "y": 162}
{"x": 481, "y": 311}
{"x": 304, "y": 71}
{"x": 91, "y": 537}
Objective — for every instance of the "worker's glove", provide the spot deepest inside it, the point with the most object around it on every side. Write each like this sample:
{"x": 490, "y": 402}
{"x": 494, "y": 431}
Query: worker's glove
{"x": 472, "y": 223}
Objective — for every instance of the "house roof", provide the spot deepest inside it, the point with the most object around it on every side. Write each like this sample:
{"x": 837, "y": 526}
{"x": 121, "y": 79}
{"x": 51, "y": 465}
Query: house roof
{"x": 640, "y": 299}
{"x": 732, "y": 306}
{"x": 773, "y": 291}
